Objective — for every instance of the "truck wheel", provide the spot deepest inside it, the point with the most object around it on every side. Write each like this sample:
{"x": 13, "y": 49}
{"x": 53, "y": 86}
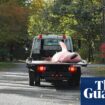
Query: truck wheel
{"x": 31, "y": 78}
{"x": 73, "y": 82}
{"x": 37, "y": 80}
{"x": 75, "y": 79}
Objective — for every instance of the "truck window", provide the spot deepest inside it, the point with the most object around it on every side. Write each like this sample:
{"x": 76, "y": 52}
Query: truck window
{"x": 51, "y": 44}
{"x": 69, "y": 45}
{"x": 36, "y": 46}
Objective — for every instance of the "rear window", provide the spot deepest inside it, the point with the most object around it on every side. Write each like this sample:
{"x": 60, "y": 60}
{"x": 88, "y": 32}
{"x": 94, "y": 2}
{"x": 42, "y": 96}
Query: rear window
{"x": 51, "y": 44}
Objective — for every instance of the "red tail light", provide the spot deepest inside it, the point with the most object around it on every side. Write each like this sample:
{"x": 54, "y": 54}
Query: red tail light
{"x": 72, "y": 69}
{"x": 64, "y": 36}
{"x": 40, "y": 36}
{"x": 41, "y": 69}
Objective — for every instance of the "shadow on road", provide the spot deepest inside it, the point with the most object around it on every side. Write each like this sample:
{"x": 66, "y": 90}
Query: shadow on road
{"x": 61, "y": 92}
{"x": 60, "y": 86}
{"x": 44, "y": 91}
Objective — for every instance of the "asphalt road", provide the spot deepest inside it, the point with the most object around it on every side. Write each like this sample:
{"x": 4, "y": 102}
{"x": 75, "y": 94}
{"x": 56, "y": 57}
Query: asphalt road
{"x": 15, "y": 90}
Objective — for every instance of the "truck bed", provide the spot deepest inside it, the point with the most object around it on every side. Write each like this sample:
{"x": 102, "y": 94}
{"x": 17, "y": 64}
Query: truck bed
{"x": 35, "y": 62}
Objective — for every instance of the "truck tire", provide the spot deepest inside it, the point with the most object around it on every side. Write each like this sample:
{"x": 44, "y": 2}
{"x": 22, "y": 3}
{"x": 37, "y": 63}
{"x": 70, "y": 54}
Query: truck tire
{"x": 75, "y": 79}
{"x": 74, "y": 82}
{"x": 37, "y": 80}
{"x": 31, "y": 78}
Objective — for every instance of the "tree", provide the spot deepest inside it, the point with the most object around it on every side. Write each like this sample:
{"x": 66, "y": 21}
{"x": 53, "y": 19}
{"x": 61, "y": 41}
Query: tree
{"x": 78, "y": 18}
{"x": 89, "y": 16}
{"x": 13, "y": 24}
{"x": 39, "y": 19}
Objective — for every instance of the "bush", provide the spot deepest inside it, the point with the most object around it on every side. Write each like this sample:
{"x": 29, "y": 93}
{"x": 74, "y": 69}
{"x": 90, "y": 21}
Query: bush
{"x": 4, "y": 53}
{"x": 83, "y": 53}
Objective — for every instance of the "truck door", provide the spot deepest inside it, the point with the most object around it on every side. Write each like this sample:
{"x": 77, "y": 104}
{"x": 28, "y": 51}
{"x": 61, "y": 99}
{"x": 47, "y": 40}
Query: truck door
{"x": 69, "y": 45}
{"x": 36, "y": 46}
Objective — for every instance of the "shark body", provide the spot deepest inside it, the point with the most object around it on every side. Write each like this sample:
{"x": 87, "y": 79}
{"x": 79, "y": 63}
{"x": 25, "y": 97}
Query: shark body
{"x": 65, "y": 55}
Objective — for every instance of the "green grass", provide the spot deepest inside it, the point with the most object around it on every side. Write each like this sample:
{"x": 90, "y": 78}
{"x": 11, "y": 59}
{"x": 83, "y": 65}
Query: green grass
{"x": 98, "y": 71}
{"x": 6, "y": 65}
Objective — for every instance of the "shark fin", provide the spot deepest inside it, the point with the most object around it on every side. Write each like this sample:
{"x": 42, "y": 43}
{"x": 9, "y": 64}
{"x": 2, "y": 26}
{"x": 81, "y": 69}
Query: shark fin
{"x": 63, "y": 46}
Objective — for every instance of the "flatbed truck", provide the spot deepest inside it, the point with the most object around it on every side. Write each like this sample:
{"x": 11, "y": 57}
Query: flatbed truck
{"x": 40, "y": 66}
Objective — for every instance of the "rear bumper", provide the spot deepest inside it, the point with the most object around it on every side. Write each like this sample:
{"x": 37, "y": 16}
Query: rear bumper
{"x": 56, "y": 72}
{"x": 56, "y": 76}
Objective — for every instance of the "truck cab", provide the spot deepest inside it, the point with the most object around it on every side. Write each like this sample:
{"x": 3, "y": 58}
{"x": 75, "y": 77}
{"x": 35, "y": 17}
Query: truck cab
{"x": 47, "y": 45}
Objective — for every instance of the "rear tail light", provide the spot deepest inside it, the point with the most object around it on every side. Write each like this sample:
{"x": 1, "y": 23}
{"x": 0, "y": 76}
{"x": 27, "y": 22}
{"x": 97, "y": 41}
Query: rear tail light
{"x": 40, "y": 36}
{"x": 64, "y": 36}
{"x": 41, "y": 69}
{"x": 72, "y": 69}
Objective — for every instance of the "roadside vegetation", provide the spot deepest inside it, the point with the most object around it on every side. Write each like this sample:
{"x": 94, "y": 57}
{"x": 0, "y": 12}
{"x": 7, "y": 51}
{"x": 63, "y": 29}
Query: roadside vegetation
{"x": 97, "y": 71}
{"x": 7, "y": 65}
{"x": 21, "y": 20}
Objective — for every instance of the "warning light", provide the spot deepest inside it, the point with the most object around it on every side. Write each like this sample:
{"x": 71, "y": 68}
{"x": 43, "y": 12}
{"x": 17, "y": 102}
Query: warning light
{"x": 72, "y": 69}
{"x": 40, "y": 36}
{"x": 41, "y": 69}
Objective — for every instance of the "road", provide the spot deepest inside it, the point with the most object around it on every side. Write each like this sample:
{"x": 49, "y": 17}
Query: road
{"x": 14, "y": 90}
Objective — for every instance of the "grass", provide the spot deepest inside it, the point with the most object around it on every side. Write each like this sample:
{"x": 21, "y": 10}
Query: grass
{"x": 5, "y": 65}
{"x": 98, "y": 71}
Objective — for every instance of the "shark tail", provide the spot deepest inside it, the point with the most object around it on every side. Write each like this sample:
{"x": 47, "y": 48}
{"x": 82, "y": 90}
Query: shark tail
{"x": 63, "y": 46}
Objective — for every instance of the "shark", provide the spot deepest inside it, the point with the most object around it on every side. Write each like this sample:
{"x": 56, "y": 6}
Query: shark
{"x": 66, "y": 56}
